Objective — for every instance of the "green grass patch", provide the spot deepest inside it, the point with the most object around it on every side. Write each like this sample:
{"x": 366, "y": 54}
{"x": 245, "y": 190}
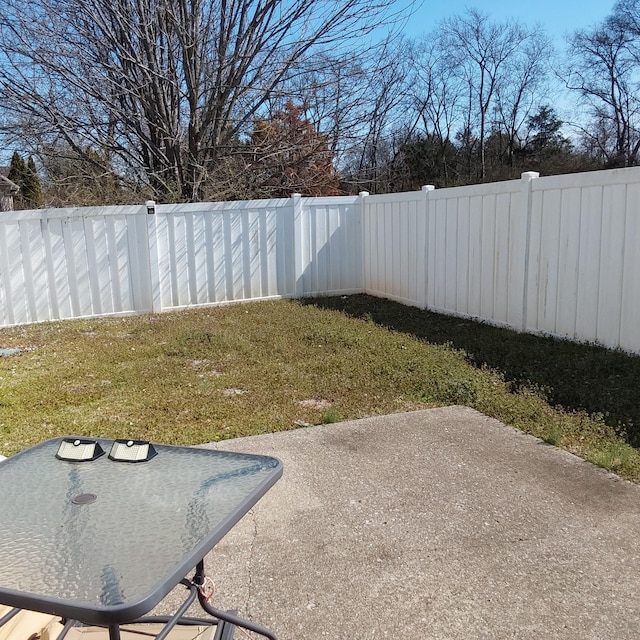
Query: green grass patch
{"x": 207, "y": 374}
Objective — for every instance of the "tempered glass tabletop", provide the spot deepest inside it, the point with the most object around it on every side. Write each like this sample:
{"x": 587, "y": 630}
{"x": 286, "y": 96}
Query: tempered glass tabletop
{"x": 104, "y": 541}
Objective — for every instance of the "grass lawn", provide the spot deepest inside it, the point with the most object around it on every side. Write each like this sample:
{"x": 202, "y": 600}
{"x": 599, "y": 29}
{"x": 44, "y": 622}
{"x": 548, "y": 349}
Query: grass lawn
{"x": 204, "y": 374}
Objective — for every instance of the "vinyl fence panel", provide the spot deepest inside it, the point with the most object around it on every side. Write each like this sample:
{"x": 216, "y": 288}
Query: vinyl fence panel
{"x": 222, "y": 252}
{"x": 211, "y": 253}
{"x": 583, "y": 271}
{"x": 69, "y": 263}
{"x": 329, "y": 246}
{"x": 395, "y": 250}
{"x": 557, "y": 255}
{"x": 476, "y": 249}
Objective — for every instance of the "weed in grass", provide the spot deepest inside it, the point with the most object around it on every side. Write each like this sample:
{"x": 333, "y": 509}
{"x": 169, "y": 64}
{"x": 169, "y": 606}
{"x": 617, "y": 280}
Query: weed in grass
{"x": 450, "y": 392}
{"x": 553, "y": 435}
{"x": 330, "y": 416}
{"x": 615, "y": 456}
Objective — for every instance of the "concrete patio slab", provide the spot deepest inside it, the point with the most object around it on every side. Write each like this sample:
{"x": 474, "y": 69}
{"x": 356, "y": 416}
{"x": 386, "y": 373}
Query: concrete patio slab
{"x": 434, "y": 524}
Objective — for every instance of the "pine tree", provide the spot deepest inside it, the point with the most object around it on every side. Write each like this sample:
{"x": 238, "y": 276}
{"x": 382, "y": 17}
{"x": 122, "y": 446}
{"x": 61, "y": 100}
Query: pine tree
{"x": 31, "y": 187}
{"x": 25, "y": 175}
{"x": 292, "y": 156}
{"x": 17, "y": 169}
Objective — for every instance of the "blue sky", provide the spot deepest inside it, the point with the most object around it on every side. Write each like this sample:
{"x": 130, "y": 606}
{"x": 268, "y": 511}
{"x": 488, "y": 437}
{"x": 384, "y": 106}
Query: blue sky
{"x": 557, "y": 16}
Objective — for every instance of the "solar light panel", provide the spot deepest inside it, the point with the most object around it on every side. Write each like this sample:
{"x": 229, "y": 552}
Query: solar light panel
{"x": 79, "y": 450}
{"x": 131, "y": 451}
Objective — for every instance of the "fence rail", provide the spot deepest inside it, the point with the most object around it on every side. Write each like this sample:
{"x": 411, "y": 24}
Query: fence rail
{"x": 557, "y": 255}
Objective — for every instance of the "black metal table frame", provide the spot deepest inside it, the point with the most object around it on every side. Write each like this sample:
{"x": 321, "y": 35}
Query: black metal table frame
{"x": 226, "y": 621}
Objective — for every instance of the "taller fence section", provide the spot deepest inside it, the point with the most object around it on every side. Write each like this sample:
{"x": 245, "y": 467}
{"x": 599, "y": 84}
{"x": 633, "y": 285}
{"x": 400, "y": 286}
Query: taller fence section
{"x": 68, "y": 263}
{"x": 457, "y": 251}
{"x": 583, "y": 272}
{"x": 557, "y": 255}
{"x": 395, "y": 249}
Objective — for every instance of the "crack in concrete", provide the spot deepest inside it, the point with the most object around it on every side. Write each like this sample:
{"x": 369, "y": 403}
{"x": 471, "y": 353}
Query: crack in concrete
{"x": 254, "y": 521}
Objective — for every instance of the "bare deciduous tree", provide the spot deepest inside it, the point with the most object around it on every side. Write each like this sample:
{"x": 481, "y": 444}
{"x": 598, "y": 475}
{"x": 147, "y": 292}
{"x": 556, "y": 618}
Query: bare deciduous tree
{"x": 157, "y": 90}
{"x": 438, "y": 91}
{"x": 485, "y": 54}
{"x": 473, "y": 85}
{"x": 522, "y": 86}
{"x": 604, "y": 68}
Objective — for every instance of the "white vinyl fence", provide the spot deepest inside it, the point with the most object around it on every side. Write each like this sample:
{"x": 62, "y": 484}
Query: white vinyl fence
{"x": 70, "y": 263}
{"x": 469, "y": 249}
{"x": 210, "y": 253}
{"x": 557, "y": 255}
{"x": 67, "y": 263}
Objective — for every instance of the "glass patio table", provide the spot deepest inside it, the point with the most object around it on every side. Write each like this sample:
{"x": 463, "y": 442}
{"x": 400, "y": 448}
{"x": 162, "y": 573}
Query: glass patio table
{"x": 103, "y": 540}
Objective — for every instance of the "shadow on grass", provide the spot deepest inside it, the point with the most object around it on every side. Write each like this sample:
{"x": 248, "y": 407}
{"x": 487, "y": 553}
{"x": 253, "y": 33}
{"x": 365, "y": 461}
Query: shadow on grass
{"x": 573, "y": 376}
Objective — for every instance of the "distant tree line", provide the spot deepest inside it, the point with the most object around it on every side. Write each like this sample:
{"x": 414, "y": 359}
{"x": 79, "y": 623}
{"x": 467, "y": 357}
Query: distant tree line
{"x": 117, "y": 101}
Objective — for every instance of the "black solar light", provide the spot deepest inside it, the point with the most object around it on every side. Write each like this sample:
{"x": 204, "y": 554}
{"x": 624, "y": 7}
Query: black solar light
{"x": 79, "y": 450}
{"x": 132, "y": 451}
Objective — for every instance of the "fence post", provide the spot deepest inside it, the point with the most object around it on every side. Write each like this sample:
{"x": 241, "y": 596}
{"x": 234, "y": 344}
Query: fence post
{"x": 365, "y": 251}
{"x": 426, "y": 191}
{"x": 527, "y": 179}
{"x": 298, "y": 245}
{"x": 139, "y": 264}
{"x": 152, "y": 263}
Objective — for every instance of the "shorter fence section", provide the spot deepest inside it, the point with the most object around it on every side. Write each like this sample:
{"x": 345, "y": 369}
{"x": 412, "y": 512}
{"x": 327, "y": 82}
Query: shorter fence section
{"x": 69, "y": 263}
{"x": 83, "y": 262}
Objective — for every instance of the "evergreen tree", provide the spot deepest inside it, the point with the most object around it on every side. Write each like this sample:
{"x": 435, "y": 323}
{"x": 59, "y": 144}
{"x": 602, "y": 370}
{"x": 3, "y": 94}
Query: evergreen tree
{"x": 291, "y": 156}
{"x": 546, "y": 149}
{"x": 25, "y": 175}
{"x": 31, "y": 188}
{"x": 17, "y": 169}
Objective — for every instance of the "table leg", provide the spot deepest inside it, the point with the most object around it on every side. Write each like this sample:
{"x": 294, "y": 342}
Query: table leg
{"x": 225, "y": 617}
{"x": 114, "y": 632}
{"x": 224, "y": 630}
{"x": 12, "y": 614}
{"x": 230, "y": 618}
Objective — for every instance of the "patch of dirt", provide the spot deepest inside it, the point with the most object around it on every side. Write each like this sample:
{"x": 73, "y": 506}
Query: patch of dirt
{"x": 316, "y": 403}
